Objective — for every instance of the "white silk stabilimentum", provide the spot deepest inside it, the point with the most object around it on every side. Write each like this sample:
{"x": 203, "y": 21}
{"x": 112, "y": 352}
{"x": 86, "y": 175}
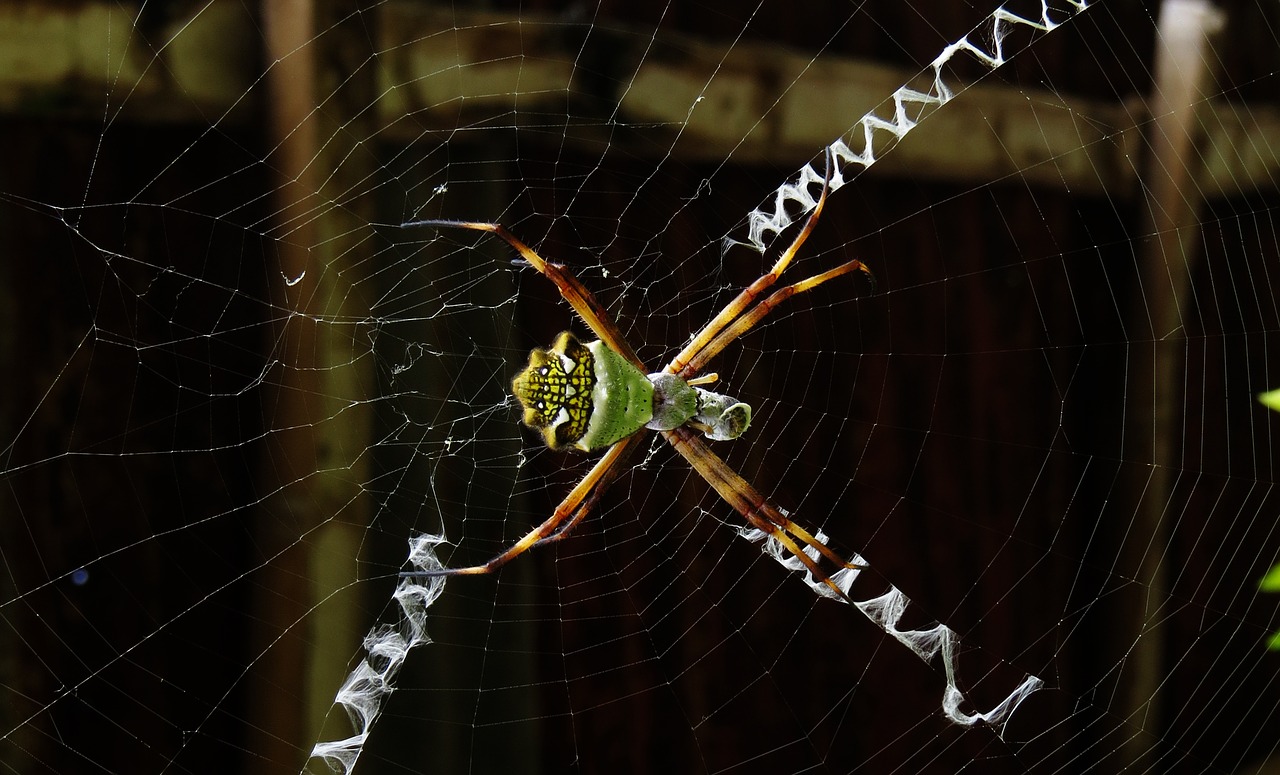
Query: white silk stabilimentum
{"x": 886, "y": 611}
{"x": 368, "y": 687}
{"x": 909, "y": 105}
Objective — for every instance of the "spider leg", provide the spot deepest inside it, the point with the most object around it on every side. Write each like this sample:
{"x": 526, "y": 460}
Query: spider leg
{"x": 748, "y": 321}
{"x": 594, "y": 497}
{"x": 753, "y": 506}
{"x": 579, "y": 297}
{"x": 573, "y": 508}
{"x": 679, "y": 364}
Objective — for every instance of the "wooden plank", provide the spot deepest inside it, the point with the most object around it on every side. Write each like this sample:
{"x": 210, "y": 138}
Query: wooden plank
{"x": 443, "y": 73}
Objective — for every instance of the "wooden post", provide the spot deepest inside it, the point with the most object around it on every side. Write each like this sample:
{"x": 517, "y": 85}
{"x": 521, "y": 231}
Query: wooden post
{"x": 315, "y": 411}
{"x": 1173, "y": 203}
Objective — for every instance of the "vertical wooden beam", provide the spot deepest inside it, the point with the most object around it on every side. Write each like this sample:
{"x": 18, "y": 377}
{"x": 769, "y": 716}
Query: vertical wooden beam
{"x": 290, "y": 509}
{"x": 344, "y": 251}
{"x": 315, "y": 410}
{"x": 1167, "y": 262}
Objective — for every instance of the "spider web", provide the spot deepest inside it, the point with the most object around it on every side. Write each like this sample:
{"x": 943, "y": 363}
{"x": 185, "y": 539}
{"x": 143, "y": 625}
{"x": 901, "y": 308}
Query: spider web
{"x": 244, "y": 397}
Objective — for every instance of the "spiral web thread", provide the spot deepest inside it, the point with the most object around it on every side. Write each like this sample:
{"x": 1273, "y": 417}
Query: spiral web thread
{"x": 367, "y": 688}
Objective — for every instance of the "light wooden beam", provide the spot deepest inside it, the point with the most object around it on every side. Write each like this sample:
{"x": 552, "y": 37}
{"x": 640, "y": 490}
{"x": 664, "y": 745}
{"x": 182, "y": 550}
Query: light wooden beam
{"x": 1173, "y": 201}
{"x": 445, "y": 73}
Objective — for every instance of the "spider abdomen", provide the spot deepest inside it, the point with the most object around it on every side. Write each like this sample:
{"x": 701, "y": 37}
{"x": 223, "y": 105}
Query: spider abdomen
{"x": 589, "y": 397}
{"x": 583, "y": 395}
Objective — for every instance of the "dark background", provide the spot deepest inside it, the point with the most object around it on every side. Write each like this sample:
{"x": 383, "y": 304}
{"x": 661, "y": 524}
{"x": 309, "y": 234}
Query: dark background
{"x": 969, "y": 427}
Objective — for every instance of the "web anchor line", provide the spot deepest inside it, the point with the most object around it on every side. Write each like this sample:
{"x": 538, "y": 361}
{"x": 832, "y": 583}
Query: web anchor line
{"x": 886, "y": 612}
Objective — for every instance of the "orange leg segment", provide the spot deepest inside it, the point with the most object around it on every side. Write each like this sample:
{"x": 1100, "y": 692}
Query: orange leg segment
{"x": 578, "y": 295}
{"x": 573, "y": 508}
{"x": 753, "y": 507}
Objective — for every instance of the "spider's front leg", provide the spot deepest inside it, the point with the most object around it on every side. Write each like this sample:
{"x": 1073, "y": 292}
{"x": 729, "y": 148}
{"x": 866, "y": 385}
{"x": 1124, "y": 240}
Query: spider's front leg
{"x": 571, "y": 288}
{"x": 739, "y": 316}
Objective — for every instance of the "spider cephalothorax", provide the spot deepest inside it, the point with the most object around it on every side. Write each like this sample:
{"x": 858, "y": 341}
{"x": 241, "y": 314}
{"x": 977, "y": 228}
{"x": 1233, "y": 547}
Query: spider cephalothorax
{"x": 589, "y": 397}
{"x": 597, "y": 396}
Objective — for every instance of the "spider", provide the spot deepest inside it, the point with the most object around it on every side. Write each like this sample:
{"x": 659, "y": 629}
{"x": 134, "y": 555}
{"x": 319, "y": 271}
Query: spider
{"x": 597, "y": 396}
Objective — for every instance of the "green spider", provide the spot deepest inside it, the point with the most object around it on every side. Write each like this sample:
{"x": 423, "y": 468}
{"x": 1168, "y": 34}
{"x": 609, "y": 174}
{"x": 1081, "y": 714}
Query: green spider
{"x": 588, "y": 396}
{"x": 598, "y": 395}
